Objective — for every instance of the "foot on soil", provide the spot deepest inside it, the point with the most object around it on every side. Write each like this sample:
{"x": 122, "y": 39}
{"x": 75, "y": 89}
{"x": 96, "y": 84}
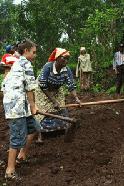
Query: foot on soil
{"x": 12, "y": 177}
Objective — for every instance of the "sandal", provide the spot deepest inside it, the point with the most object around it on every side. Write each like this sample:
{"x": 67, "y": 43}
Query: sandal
{"x": 20, "y": 161}
{"x": 12, "y": 176}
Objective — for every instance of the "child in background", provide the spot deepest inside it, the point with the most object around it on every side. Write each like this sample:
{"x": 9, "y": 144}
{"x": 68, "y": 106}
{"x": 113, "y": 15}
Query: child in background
{"x": 8, "y": 59}
{"x": 19, "y": 105}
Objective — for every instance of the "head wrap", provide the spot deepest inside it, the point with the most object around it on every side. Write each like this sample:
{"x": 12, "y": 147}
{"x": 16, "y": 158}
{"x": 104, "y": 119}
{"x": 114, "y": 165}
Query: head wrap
{"x": 58, "y": 52}
{"x": 82, "y": 48}
{"x": 8, "y": 48}
{"x": 8, "y": 59}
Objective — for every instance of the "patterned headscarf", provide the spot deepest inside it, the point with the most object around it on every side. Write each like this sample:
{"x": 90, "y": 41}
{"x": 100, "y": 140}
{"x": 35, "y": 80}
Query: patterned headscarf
{"x": 58, "y": 52}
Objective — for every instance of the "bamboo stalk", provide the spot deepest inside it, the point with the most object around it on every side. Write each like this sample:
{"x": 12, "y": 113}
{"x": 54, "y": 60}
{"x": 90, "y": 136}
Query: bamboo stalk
{"x": 71, "y": 120}
{"x": 95, "y": 103}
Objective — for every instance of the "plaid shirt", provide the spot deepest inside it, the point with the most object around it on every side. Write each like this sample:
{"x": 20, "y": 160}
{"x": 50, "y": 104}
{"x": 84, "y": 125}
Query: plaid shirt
{"x": 19, "y": 80}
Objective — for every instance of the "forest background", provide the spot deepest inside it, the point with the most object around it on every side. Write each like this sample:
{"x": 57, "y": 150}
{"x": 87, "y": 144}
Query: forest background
{"x": 96, "y": 24}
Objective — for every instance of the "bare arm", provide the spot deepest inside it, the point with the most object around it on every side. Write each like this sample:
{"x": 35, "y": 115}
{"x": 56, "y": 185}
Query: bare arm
{"x": 31, "y": 100}
{"x": 74, "y": 94}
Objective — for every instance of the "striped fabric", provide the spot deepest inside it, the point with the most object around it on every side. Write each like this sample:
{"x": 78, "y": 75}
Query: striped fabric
{"x": 49, "y": 78}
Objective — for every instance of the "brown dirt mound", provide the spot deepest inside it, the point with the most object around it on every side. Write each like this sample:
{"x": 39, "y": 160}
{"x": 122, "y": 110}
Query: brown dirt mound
{"x": 94, "y": 158}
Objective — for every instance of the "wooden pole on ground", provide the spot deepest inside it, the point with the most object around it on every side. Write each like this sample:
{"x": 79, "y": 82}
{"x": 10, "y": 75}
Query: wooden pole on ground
{"x": 95, "y": 103}
{"x": 71, "y": 120}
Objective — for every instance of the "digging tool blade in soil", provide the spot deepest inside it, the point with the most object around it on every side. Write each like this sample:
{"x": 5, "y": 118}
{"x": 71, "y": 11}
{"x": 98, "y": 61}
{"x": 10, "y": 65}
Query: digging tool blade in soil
{"x": 70, "y": 131}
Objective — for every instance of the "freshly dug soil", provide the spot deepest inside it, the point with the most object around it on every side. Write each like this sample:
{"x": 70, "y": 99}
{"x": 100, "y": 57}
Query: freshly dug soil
{"x": 94, "y": 155}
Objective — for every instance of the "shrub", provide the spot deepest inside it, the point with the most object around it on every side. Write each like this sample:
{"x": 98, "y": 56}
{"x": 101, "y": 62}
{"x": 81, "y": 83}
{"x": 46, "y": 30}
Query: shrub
{"x": 111, "y": 90}
{"x": 1, "y": 79}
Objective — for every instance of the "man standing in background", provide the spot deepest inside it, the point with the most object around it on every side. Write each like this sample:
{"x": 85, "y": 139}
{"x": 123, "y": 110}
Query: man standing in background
{"x": 118, "y": 66}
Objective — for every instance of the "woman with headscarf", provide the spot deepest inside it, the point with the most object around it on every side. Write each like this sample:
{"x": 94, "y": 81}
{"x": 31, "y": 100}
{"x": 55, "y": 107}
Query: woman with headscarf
{"x": 84, "y": 69}
{"x": 50, "y": 94}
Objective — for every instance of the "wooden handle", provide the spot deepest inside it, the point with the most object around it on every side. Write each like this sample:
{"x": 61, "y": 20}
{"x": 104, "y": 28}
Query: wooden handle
{"x": 71, "y": 120}
{"x": 96, "y": 103}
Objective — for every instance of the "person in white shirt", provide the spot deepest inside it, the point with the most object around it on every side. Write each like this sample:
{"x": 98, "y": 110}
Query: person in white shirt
{"x": 19, "y": 105}
{"x": 118, "y": 66}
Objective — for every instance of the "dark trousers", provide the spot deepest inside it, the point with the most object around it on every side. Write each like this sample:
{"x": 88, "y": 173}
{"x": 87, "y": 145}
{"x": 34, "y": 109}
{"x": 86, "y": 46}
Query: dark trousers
{"x": 119, "y": 78}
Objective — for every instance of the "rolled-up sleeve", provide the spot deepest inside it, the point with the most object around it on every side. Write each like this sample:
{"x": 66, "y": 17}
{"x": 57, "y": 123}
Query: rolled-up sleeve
{"x": 30, "y": 82}
{"x": 70, "y": 81}
{"x": 43, "y": 78}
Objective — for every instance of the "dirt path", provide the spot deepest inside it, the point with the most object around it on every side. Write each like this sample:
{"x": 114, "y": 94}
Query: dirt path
{"x": 94, "y": 158}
